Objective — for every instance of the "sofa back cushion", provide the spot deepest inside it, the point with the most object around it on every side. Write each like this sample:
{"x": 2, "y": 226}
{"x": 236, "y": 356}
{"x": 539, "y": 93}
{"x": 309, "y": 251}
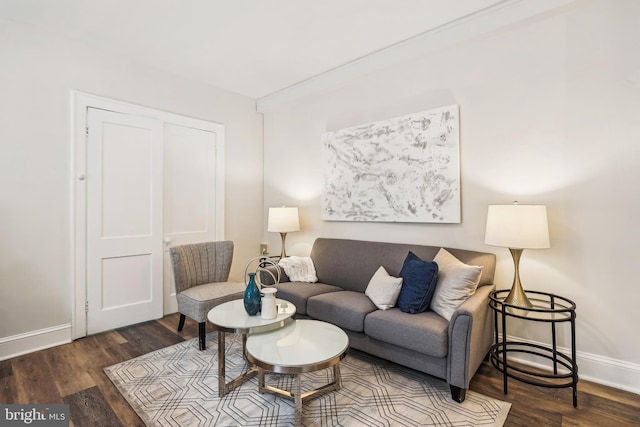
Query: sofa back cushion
{"x": 350, "y": 264}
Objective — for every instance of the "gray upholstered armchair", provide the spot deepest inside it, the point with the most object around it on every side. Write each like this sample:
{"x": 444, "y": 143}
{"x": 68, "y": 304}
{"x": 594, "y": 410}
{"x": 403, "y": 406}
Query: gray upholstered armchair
{"x": 201, "y": 272}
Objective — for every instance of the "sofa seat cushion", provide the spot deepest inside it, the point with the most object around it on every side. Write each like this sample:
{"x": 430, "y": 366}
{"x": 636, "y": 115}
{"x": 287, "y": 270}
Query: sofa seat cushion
{"x": 298, "y": 293}
{"x": 425, "y": 332}
{"x": 346, "y": 309}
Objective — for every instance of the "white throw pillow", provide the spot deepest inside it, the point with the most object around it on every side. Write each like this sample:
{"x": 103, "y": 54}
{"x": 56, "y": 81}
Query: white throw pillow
{"x": 383, "y": 290}
{"x": 457, "y": 281}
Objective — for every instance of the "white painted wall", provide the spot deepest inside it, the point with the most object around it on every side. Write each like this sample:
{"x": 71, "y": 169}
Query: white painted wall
{"x": 37, "y": 74}
{"x": 549, "y": 114}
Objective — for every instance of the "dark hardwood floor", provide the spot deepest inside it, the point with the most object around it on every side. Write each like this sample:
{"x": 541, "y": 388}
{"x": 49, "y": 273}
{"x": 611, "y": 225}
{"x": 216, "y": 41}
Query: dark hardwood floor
{"x": 73, "y": 374}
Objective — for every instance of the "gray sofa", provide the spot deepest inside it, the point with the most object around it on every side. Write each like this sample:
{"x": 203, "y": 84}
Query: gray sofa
{"x": 451, "y": 350}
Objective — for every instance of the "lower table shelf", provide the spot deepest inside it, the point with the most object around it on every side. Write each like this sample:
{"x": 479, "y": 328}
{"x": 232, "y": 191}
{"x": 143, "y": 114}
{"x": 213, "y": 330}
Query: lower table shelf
{"x": 529, "y": 375}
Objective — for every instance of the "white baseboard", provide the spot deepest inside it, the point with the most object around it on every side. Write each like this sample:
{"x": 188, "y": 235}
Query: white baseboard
{"x": 591, "y": 367}
{"x": 29, "y": 342}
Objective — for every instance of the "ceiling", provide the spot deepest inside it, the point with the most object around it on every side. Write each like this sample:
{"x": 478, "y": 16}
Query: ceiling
{"x": 252, "y": 47}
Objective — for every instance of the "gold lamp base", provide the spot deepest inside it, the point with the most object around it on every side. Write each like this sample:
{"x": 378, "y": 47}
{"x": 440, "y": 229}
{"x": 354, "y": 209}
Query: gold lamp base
{"x": 283, "y": 254}
{"x": 517, "y": 296}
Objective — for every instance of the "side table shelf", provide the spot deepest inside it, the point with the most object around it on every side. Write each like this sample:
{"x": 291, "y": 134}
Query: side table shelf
{"x": 548, "y": 308}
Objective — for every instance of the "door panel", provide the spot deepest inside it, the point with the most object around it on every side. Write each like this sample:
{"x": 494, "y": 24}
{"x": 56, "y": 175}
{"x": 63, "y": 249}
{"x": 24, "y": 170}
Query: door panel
{"x": 119, "y": 273}
{"x": 127, "y": 180}
{"x": 191, "y": 159}
{"x": 190, "y": 193}
{"x": 124, "y": 220}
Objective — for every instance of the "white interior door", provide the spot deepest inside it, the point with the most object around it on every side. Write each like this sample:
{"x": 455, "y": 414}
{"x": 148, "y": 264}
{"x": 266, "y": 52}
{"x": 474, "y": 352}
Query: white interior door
{"x": 124, "y": 220}
{"x": 193, "y": 191}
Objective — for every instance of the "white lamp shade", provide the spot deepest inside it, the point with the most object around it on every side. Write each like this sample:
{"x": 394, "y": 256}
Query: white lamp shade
{"x": 283, "y": 220}
{"x": 517, "y": 226}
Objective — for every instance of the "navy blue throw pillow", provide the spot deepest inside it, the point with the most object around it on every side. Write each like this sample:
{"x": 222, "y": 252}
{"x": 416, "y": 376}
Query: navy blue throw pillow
{"x": 418, "y": 284}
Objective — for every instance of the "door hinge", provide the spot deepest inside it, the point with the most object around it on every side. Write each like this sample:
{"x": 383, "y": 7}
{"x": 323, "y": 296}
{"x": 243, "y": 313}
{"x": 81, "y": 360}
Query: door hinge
{"x": 86, "y": 306}
{"x": 86, "y": 130}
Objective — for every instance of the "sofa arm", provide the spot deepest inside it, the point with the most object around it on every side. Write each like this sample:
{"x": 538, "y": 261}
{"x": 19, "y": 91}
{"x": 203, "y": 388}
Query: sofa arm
{"x": 470, "y": 336}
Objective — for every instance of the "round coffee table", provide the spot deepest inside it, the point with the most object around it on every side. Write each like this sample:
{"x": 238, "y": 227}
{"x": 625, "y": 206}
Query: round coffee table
{"x": 232, "y": 318}
{"x": 299, "y": 347}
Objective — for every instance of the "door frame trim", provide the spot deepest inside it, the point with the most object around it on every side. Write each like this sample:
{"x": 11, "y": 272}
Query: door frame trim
{"x": 80, "y": 103}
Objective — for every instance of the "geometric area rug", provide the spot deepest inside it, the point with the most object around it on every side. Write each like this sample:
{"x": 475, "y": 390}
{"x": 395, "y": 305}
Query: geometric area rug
{"x": 178, "y": 386}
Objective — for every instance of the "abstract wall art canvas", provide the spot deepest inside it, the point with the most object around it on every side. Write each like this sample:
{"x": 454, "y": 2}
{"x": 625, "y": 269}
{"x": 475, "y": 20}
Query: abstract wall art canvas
{"x": 404, "y": 169}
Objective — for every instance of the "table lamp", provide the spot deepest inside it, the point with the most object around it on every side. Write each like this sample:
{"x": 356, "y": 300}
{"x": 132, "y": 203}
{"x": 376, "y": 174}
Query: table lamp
{"x": 517, "y": 227}
{"x": 283, "y": 220}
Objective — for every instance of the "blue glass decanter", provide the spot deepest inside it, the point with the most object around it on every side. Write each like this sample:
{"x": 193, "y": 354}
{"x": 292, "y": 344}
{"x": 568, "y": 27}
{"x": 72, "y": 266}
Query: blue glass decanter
{"x": 252, "y": 296}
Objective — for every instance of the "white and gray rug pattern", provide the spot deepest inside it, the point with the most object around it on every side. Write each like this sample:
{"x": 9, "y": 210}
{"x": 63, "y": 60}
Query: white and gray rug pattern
{"x": 177, "y": 386}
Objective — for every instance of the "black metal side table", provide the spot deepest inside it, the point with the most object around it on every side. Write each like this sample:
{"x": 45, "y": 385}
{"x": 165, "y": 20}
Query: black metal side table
{"x": 548, "y": 308}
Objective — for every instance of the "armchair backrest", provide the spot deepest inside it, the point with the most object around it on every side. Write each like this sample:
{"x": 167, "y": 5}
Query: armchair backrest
{"x": 200, "y": 263}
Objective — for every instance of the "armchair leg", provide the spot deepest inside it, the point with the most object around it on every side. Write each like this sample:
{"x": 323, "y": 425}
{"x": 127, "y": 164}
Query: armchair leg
{"x": 181, "y": 322}
{"x": 202, "y": 330}
{"x": 458, "y": 394}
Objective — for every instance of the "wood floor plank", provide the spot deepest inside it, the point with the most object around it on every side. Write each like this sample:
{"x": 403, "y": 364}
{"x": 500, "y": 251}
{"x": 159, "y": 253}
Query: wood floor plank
{"x": 90, "y": 346}
{"x": 89, "y": 408}
{"x": 596, "y": 405}
{"x": 5, "y": 369}
{"x": 8, "y": 392}
{"x": 71, "y": 375}
{"x": 116, "y": 401}
{"x": 33, "y": 379}
{"x": 7, "y": 386}
{"x": 150, "y": 336}
{"x": 190, "y": 329}
{"x": 171, "y": 323}
{"x": 609, "y": 393}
